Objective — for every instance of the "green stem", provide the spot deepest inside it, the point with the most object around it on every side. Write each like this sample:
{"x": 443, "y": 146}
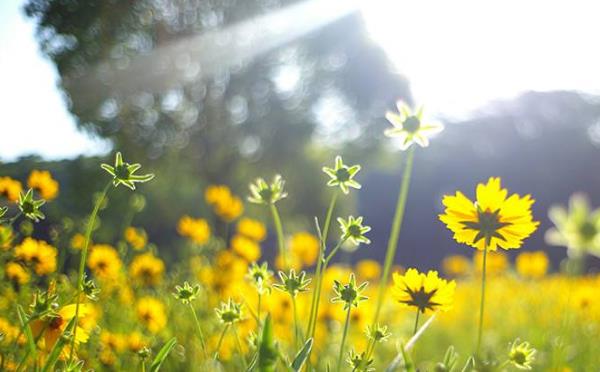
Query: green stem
{"x": 295, "y": 322}
{"x": 200, "y": 334}
{"x": 143, "y": 366}
{"x": 221, "y": 341}
{"x": 258, "y": 312}
{"x": 328, "y": 216}
{"x": 346, "y": 326}
{"x": 416, "y": 322}
{"x": 396, "y": 225}
{"x": 14, "y": 218}
{"x": 84, "y": 252}
{"x": 279, "y": 230}
{"x": 239, "y": 346}
{"x": 482, "y": 303}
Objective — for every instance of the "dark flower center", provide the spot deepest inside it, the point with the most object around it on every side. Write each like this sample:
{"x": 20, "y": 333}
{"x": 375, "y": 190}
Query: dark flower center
{"x": 421, "y": 299}
{"x": 487, "y": 226}
{"x": 588, "y": 230}
{"x": 354, "y": 231}
{"x": 342, "y": 175}
{"x": 122, "y": 171}
{"x": 411, "y": 124}
{"x": 266, "y": 194}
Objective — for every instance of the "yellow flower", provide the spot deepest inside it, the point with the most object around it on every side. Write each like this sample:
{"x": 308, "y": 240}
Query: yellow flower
{"x": 135, "y": 342}
{"x": 16, "y": 273}
{"x": 292, "y": 262}
{"x": 39, "y": 254}
{"x": 215, "y": 193}
{"x": 104, "y": 261}
{"x": 77, "y": 241}
{"x": 252, "y": 229}
{"x": 456, "y": 265}
{"x": 305, "y": 246}
{"x": 52, "y": 327}
{"x": 195, "y": 229}
{"x": 10, "y": 188}
{"x": 136, "y": 238}
{"x": 425, "y": 292}
{"x": 151, "y": 312}
{"x": 9, "y": 331}
{"x": 532, "y": 264}
{"x": 496, "y": 262}
{"x": 147, "y": 269}
{"x": 113, "y": 341}
{"x": 246, "y": 248}
{"x": 368, "y": 270}
{"x": 6, "y": 237}
{"x": 43, "y": 183}
{"x": 493, "y": 220}
{"x": 224, "y": 203}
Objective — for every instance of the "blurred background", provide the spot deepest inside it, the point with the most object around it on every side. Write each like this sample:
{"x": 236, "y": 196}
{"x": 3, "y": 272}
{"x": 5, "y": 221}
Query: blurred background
{"x": 221, "y": 91}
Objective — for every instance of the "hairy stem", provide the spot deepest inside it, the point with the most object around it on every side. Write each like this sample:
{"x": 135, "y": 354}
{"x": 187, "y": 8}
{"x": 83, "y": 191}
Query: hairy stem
{"x": 279, "y": 230}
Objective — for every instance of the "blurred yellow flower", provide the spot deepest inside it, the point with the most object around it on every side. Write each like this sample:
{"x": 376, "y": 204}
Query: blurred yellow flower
{"x": 136, "y": 341}
{"x": 52, "y": 327}
{"x": 196, "y": 229}
{"x": 305, "y": 247}
{"x": 426, "y": 292}
{"x": 113, "y": 341}
{"x": 6, "y": 237}
{"x": 252, "y": 229}
{"x": 292, "y": 262}
{"x": 151, "y": 312}
{"x": 78, "y": 241}
{"x": 9, "y": 331}
{"x": 43, "y": 183}
{"x": 493, "y": 220}
{"x": 37, "y": 253}
{"x": 246, "y": 248}
{"x": 224, "y": 203}
{"x": 368, "y": 270}
{"x": 104, "y": 261}
{"x": 10, "y": 188}
{"x": 456, "y": 265}
{"x": 16, "y": 273}
{"x": 532, "y": 264}
{"x": 497, "y": 262}
{"x": 147, "y": 269}
{"x": 136, "y": 238}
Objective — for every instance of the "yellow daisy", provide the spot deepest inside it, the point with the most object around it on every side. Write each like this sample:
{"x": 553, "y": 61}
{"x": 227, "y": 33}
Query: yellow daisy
{"x": 426, "y": 292}
{"x": 43, "y": 183}
{"x": 493, "y": 220}
{"x": 104, "y": 261}
{"x": 147, "y": 269}
{"x": 151, "y": 312}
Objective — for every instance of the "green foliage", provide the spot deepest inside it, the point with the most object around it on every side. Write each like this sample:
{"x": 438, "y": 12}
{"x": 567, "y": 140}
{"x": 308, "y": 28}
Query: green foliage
{"x": 162, "y": 354}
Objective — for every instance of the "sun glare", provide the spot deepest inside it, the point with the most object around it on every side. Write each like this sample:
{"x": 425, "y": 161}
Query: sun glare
{"x": 459, "y": 55}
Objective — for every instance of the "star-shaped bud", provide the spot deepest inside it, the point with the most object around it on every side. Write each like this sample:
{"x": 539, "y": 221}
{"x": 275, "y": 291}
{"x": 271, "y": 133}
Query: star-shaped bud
{"x": 230, "y": 312}
{"x": 260, "y": 275}
{"x": 349, "y": 294}
{"x": 359, "y": 362}
{"x": 263, "y": 193}
{"x": 186, "y": 293}
{"x": 377, "y": 333}
{"x": 124, "y": 173}
{"x": 521, "y": 355}
{"x": 353, "y": 230}
{"x": 293, "y": 283}
{"x": 89, "y": 288}
{"x": 31, "y": 207}
{"x": 410, "y": 127}
{"x": 342, "y": 175}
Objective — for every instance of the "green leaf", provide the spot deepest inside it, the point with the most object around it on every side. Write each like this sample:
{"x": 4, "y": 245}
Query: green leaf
{"x": 302, "y": 355}
{"x": 23, "y": 321}
{"x": 162, "y": 354}
{"x": 267, "y": 350}
{"x": 470, "y": 365}
{"x": 402, "y": 360}
{"x": 58, "y": 347}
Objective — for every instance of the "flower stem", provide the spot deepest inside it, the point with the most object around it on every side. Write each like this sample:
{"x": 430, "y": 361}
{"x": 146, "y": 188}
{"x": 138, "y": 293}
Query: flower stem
{"x": 239, "y": 346}
{"x": 346, "y": 326}
{"x": 314, "y": 305}
{"x": 200, "y": 334}
{"x": 416, "y": 322}
{"x": 482, "y": 303}
{"x": 258, "y": 312}
{"x": 221, "y": 341}
{"x": 396, "y": 225}
{"x": 84, "y": 252}
{"x": 295, "y": 322}
{"x": 279, "y": 230}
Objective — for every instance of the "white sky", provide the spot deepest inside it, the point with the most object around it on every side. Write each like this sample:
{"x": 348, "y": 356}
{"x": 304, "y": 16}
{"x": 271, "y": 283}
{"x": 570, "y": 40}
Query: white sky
{"x": 34, "y": 117}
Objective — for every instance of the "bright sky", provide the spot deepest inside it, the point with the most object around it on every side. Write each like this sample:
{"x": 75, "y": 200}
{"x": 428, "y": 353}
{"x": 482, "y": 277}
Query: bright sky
{"x": 34, "y": 118}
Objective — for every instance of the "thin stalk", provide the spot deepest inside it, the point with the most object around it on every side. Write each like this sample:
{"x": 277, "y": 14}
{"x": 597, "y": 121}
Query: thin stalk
{"x": 84, "y": 252}
{"x": 14, "y": 218}
{"x": 200, "y": 334}
{"x": 416, "y": 322}
{"x": 258, "y": 312}
{"x": 482, "y": 303}
{"x": 221, "y": 341}
{"x": 239, "y": 346}
{"x": 396, "y": 225}
{"x": 295, "y": 322}
{"x": 346, "y": 326}
{"x": 279, "y": 230}
{"x": 143, "y": 366}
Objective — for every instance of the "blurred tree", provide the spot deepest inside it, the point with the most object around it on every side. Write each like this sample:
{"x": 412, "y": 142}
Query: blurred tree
{"x": 183, "y": 84}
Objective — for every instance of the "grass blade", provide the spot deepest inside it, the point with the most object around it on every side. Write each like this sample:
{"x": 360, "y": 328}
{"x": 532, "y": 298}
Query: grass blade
{"x": 162, "y": 354}
{"x": 302, "y": 355}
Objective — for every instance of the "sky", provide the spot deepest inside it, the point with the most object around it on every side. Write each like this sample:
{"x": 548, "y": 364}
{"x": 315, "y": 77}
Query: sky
{"x": 35, "y": 119}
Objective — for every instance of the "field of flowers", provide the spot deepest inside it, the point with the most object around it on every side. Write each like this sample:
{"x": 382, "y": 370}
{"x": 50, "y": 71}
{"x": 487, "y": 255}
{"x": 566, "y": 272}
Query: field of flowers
{"x": 224, "y": 307}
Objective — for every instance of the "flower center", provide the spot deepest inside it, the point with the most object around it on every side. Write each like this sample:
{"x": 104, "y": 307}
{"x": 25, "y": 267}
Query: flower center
{"x": 588, "y": 230}
{"x": 122, "y": 172}
{"x": 342, "y": 175}
{"x": 354, "y": 231}
{"x": 487, "y": 225}
{"x": 411, "y": 124}
{"x": 421, "y": 299}
{"x": 266, "y": 194}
